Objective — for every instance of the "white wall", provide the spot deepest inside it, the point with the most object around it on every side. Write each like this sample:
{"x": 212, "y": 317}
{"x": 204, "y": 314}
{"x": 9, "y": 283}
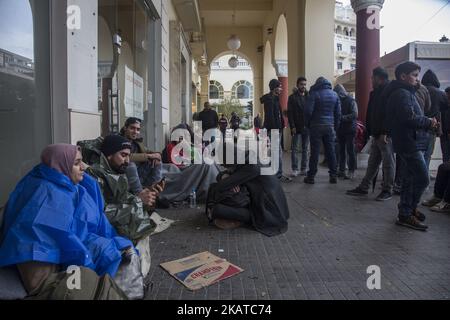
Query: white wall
{"x": 82, "y": 56}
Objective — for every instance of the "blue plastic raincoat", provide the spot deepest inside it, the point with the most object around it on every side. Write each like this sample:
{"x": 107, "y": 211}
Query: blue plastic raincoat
{"x": 50, "y": 219}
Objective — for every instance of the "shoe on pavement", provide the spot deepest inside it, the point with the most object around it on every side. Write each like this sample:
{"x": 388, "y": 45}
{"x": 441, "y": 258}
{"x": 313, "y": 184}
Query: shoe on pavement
{"x": 349, "y": 176}
{"x": 411, "y": 222}
{"x": 431, "y": 202}
{"x": 341, "y": 175}
{"x": 295, "y": 173}
{"x": 309, "y": 180}
{"x": 384, "y": 196}
{"x": 357, "y": 192}
{"x": 419, "y": 215}
{"x": 442, "y": 207}
{"x": 285, "y": 179}
{"x": 303, "y": 173}
{"x": 333, "y": 180}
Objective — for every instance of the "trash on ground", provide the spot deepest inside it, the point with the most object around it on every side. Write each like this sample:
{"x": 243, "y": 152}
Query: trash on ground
{"x": 201, "y": 270}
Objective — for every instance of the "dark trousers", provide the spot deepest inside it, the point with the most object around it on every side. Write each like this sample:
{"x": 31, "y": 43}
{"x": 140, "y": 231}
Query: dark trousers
{"x": 347, "y": 152}
{"x": 445, "y": 147}
{"x": 415, "y": 180}
{"x": 442, "y": 184}
{"x": 327, "y": 135}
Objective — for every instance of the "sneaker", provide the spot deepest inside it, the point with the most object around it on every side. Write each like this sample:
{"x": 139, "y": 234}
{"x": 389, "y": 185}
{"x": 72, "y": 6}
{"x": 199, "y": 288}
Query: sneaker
{"x": 357, "y": 192}
{"x": 295, "y": 173}
{"x": 309, "y": 180}
{"x": 350, "y": 176}
{"x": 442, "y": 207}
{"x": 333, "y": 180}
{"x": 384, "y": 196}
{"x": 431, "y": 202}
{"x": 411, "y": 222}
{"x": 341, "y": 175}
{"x": 419, "y": 215}
{"x": 285, "y": 179}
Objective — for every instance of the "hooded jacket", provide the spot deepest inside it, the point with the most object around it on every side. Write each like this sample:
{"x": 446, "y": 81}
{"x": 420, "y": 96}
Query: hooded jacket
{"x": 376, "y": 112}
{"x": 438, "y": 99}
{"x": 296, "y": 110}
{"x": 349, "y": 111}
{"x": 323, "y": 107}
{"x": 272, "y": 112}
{"x": 407, "y": 124}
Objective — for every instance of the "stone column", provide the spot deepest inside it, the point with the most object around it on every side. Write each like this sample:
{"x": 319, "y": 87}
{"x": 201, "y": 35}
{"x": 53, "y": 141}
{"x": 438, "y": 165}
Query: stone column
{"x": 204, "y": 72}
{"x": 282, "y": 74}
{"x": 367, "y": 49}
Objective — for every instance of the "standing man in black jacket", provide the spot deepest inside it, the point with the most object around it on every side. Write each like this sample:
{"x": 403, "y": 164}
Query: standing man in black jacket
{"x": 409, "y": 128}
{"x": 209, "y": 119}
{"x": 346, "y": 133}
{"x": 300, "y": 135}
{"x": 381, "y": 150}
{"x": 273, "y": 119}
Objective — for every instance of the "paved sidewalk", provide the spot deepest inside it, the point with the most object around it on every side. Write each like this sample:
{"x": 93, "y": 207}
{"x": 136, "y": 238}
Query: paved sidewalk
{"x": 331, "y": 241}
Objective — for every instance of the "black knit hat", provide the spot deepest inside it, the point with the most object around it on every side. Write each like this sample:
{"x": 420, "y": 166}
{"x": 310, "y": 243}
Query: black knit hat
{"x": 114, "y": 143}
{"x": 273, "y": 84}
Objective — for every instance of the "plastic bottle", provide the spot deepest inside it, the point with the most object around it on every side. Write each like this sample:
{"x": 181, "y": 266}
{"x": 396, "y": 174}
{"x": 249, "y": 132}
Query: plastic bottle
{"x": 193, "y": 199}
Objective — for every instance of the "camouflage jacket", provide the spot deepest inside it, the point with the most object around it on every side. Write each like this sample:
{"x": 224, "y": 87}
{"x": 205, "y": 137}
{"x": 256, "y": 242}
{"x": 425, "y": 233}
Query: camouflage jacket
{"x": 124, "y": 210}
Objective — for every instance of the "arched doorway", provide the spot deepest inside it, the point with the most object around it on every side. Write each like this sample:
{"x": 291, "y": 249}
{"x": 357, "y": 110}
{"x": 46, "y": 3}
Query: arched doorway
{"x": 232, "y": 89}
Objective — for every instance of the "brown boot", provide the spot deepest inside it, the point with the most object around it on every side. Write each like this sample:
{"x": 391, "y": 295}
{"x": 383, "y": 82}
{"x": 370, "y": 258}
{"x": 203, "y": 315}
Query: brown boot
{"x": 227, "y": 224}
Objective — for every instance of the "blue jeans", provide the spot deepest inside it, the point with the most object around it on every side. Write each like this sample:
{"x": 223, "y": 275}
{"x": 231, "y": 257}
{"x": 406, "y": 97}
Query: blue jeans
{"x": 297, "y": 140}
{"x": 415, "y": 180}
{"x": 141, "y": 175}
{"x": 347, "y": 152}
{"x": 327, "y": 135}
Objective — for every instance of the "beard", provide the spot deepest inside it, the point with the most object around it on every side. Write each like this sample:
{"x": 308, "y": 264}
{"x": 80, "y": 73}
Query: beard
{"x": 121, "y": 169}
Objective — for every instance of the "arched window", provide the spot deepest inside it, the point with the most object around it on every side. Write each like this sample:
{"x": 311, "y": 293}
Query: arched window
{"x": 352, "y": 32}
{"x": 339, "y": 30}
{"x": 346, "y": 32}
{"x": 215, "y": 90}
{"x": 242, "y": 90}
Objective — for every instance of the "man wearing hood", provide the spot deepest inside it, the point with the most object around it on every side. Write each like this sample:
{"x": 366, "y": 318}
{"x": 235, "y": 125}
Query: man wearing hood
{"x": 273, "y": 119}
{"x": 346, "y": 133}
{"x": 300, "y": 135}
{"x": 409, "y": 130}
{"x": 322, "y": 116}
{"x": 381, "y": 149}
{"x": 438, "y": 105}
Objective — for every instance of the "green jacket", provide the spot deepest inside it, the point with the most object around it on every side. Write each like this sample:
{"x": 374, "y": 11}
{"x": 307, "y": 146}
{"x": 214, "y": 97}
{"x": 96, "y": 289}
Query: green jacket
{"x": 124, "y": 210}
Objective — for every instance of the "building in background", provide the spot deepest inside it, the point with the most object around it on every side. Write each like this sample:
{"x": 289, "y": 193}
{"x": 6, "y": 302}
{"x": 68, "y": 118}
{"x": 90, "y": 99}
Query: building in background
{"x": 344, "y": 39}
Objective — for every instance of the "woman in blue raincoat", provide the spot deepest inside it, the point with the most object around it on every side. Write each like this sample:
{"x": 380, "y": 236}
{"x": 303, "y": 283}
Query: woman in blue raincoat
{"x": 54, "y": 219}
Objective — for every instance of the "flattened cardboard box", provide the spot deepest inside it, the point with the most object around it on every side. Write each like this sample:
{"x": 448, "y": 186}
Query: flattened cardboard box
{"x": 201, "y": 270}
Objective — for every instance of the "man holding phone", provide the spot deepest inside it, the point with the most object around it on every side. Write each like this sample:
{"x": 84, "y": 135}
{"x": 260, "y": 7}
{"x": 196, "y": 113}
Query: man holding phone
{"x": 144, "y": 172}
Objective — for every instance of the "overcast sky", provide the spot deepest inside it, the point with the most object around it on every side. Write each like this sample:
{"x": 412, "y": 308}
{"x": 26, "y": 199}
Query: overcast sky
{"x": 406, "y": 21}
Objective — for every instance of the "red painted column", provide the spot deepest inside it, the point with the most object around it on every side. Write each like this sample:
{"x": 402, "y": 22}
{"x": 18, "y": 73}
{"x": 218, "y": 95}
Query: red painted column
{"x": 284, "y": 97}
{"x": 367, "y": 50}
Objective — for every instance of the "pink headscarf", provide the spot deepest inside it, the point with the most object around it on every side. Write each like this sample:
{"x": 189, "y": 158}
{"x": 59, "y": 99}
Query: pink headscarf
{"x": 60, "y": 157}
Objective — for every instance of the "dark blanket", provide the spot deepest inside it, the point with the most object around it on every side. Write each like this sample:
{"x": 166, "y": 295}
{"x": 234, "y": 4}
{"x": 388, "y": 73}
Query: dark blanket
{"x": 268, "y": 204}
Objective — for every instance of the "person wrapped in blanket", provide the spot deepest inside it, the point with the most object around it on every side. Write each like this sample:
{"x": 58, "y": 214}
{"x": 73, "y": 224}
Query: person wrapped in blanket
{"x": 53, "y": 220}
{"x": 243, "y": 196}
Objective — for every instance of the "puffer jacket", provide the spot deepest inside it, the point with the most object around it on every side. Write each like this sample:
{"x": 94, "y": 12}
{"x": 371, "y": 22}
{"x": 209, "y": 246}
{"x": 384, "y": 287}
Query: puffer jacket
{"x": 406, "y": 122}
{"x": 323, "y": 107}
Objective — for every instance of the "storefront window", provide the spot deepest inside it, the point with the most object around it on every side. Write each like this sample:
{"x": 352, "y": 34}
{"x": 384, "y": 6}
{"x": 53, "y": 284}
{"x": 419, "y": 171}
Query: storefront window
{"x": 24, "y": 88}
{"x": 123, "y": 72}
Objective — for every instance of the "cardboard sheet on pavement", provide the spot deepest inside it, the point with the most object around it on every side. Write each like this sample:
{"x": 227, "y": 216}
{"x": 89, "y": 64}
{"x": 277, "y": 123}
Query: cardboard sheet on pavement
{"x": 201, "y": 270}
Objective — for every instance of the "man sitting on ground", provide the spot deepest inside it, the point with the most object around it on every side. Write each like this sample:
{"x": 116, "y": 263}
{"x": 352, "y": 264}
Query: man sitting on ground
{"x": 144, "y": 171}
